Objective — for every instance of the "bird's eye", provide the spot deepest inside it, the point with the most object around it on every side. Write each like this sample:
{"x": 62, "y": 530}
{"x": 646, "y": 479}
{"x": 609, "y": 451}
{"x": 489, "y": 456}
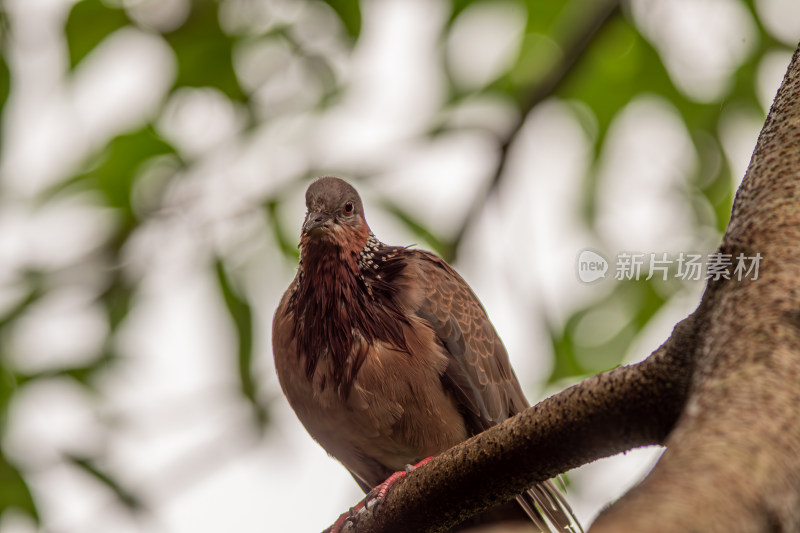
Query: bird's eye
{"x": 349, "y": 207}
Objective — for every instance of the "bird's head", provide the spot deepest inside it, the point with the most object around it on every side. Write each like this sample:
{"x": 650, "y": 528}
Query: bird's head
{"x": 335, "y": 216}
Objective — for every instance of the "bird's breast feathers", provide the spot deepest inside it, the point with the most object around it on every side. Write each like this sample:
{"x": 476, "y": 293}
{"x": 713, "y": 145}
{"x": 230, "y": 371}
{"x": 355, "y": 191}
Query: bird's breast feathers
{"x": 375, "y": 384}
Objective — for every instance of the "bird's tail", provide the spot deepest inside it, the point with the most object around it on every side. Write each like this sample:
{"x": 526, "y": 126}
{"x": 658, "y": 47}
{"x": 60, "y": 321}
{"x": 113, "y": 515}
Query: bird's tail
{"x": 548, "y": 509}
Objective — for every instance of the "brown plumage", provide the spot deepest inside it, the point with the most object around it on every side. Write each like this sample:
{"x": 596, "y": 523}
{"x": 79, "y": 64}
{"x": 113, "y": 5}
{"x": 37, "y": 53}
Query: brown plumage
{"x": 386, "y": 354}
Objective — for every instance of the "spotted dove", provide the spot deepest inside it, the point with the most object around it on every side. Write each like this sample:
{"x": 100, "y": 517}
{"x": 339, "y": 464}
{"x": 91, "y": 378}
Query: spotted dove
{"x": 386, "y": 355}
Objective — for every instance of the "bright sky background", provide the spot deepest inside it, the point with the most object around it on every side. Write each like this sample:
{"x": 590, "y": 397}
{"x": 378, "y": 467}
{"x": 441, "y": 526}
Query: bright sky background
{"x": 181, "y": 436}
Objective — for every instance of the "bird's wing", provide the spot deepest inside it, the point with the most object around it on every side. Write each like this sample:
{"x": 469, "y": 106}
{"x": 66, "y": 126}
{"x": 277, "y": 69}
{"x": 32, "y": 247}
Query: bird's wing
{"x": 478, "y": 373}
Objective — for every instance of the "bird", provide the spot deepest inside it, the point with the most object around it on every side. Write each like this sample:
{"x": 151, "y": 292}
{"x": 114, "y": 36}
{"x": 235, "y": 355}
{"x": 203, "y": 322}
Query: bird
{"x": 387, "y": 356}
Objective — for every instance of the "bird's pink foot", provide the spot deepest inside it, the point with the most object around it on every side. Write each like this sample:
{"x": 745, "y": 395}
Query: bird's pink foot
{"x": 344, "y": 517}
{"x": 378, "y": 494}
{"x": 374, "y": 497}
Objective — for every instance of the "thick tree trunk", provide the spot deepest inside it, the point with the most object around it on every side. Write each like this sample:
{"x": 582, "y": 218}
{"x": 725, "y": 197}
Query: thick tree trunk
{"x": 723, "y": 394}
{"x": 733, "y": 460}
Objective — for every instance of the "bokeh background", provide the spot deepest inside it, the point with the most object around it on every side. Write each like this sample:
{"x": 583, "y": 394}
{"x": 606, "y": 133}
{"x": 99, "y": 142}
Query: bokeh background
{"x": 153, "y": 158}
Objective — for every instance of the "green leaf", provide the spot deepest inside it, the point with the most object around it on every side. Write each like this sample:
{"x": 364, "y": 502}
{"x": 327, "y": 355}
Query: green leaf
{"x": 610, "y": 73}
{"x": 547, "y": 18}
{"x": 550, "y": 27}
{"x": 205, "y": 52}
{"x": 241, "y": 313}
{"x": 458, "y": 7}
{"x": 84, "y": 375}
{"x": 5, "y": 73}
{"x": 285, "y": 244}
{"x": 124, "y": 495}
{"x": 8, "y": 386}
{"x": 349, "y": 12}
{"x": 14, "y": 492}
{"x": 620, "y": 66}
{"x": 565, "y": 363}
{"x": 117, "y": 300}
{"x": 440, "y": 246}
{"x": 644, "y": 301}
{"x": 35, "y": 292}
{"x": 5, "y": 79}
{"x": 540, "y": 14}
{"x": 713, "y": 179}
{"x": 115, "y": 173}
{"x": 89, "y": 22}
{"x": 9, "y": 382}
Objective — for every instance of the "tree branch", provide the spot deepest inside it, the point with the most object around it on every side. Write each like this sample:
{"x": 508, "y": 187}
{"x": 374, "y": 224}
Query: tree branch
{"x": 732, "y": 461}
{"x": 603, "y": 415}
{"x": 721, "y": 393}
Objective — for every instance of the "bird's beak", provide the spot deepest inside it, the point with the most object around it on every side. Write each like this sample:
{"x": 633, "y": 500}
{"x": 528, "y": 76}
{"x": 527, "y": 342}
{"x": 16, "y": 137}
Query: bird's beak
{"x": 316, "y": 221}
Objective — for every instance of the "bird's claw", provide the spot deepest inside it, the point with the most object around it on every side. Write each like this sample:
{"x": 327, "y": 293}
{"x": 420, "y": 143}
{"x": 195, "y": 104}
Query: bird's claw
{"x": 345, "y": 517}
{"x": 374, "y": 497}
{"x": 378, "y": 494}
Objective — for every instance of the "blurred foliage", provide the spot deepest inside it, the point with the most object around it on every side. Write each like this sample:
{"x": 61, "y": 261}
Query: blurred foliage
{"x": 5, "y": 75}
{"x": 242, "y": 315}
{"x": 14, "y": 492}
{"x": 113, "y": 174}
{"x": 199, "y": 44}
{"x": 89, "y": 22}
{"x": 568, "y": 51}
{"x": 349, "y": 12}
{"x": 130, "y": 501}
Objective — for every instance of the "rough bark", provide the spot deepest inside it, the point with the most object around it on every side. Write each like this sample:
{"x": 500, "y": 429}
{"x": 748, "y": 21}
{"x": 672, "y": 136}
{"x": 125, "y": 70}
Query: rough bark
{"x": 722, "y": 393}
{"x": 733, "y": 460}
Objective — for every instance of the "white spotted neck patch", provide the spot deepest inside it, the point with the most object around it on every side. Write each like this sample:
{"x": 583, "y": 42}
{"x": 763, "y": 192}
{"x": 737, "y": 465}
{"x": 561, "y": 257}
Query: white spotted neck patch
{"x": 366, "y": 257}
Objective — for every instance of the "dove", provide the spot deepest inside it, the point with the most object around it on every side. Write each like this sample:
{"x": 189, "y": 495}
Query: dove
{"x": 386, "y": 355}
